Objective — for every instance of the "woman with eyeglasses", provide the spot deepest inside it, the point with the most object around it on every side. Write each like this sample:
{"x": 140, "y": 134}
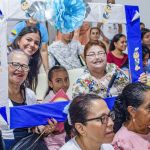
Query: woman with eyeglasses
{"x": 99, "y": 75}
{"x": 91, "y": 124}
{"x": 29, "y": 41}
{"x": 132, "y": 122}
{"x": 19, "y": 94}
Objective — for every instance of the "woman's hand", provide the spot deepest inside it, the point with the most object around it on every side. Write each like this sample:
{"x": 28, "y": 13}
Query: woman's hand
{"x": 143, "y": 78}
{"x": 48, "y": 128}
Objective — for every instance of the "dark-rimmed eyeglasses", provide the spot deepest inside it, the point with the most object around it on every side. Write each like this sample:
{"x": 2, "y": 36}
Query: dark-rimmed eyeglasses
{"x": 17, "y": 65}
{"x": 104, "y": 118}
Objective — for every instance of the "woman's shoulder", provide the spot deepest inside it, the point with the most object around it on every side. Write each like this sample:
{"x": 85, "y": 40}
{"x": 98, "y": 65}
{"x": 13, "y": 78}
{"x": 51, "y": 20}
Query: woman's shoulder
{"x": 124, "y": 136}
{"x": 125, "y": 139}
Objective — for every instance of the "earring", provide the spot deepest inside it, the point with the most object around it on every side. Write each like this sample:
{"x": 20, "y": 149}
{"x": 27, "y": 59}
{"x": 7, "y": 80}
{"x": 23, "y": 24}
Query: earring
{"x": 133, "y": 119}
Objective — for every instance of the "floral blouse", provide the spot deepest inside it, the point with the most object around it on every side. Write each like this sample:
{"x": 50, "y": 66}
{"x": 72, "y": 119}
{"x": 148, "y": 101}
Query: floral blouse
{"x": 89, "y": 84}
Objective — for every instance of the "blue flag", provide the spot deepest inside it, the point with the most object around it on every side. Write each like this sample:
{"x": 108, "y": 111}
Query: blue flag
{"x": 134, "y": 41}
{"x": 34, "y": 115}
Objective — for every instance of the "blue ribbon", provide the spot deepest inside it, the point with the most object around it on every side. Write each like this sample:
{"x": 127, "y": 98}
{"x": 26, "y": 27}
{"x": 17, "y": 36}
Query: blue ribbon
{"x": 134, "y": 42}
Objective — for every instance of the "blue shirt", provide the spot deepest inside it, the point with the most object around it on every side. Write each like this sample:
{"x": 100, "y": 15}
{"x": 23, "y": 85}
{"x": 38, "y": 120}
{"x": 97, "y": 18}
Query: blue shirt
{"x": 19, "y": 26}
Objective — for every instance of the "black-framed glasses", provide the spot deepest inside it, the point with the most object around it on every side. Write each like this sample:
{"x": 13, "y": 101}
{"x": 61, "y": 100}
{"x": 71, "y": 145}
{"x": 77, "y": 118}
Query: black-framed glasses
{"x": 17, "y": 65}
{"x": 92, "y": 55}
{"x": 104, "y": 118}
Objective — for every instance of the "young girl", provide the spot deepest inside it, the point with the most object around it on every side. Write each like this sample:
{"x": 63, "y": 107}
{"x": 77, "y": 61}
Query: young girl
{"x": 117, "y": 47}
{"x": 58, "y": 79}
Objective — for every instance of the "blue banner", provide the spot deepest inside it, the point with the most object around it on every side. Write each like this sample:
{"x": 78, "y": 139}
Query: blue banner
{"x": 110, "y": 102}
{"x": 34, "y": 115}
{"x": 134, "y": 41}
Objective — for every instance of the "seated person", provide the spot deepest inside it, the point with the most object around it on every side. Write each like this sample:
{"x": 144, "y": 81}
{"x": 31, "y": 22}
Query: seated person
{"x": 99, "y": 73}
{"x": 58, "y": 78}
{"x": 19, "y": 95}
{"x": 66, "y": 52}
{"x": 132, "y": 122}
{"x": 91, "y": 124}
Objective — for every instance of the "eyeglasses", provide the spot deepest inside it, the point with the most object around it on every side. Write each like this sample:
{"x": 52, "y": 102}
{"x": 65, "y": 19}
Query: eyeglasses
{"x": 104, "y": 118}
{"x": 17, "y": 65}
{"x": 92, "y": 55}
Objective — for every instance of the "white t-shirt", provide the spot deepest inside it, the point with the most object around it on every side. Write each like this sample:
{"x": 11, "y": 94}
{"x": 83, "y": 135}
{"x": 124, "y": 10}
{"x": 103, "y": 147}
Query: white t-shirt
{"x": 73, "y": 145}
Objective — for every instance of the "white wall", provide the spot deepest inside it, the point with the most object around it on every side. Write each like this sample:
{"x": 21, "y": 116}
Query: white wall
{"x": 143, "y": 6}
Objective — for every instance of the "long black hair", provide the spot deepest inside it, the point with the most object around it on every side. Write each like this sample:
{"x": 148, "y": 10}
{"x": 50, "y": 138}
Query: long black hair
{"x": 132, "y": 95}
{"x": 35, "y": 60}
{"x": 50, "y": 75}
{"x": 78, "y": 112}
{"x": 116, "y": 38}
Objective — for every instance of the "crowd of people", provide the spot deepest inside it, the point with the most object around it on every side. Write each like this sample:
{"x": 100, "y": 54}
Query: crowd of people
{"x": 90, "y": 124}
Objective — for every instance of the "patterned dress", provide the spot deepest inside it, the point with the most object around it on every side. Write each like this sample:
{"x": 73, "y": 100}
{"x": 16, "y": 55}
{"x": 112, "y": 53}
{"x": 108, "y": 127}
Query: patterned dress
{"x": 89, "y": 84}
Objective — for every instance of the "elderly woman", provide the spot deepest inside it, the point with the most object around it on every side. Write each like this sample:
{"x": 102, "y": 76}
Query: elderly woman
{"x": 132, "y": 123}
{"x": 92, "y": 123}
{"x": 18, "y": 94}
{"x": 29, "y": 41}
{"x": 98, "y": 74}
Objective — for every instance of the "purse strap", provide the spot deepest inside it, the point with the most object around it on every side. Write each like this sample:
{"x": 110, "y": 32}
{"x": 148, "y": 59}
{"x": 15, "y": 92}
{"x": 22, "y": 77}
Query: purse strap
{"x": 38, "y": 137}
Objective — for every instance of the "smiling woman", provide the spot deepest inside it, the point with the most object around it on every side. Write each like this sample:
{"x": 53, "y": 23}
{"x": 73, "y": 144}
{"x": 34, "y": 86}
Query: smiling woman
{"x": 29, "y": 41}
{"x": 98, "y": 74}
{"x": 18, "y": 95}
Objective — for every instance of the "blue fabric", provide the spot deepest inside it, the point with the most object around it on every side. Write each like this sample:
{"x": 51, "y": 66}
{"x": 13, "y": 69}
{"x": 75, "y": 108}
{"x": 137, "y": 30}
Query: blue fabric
{"x": 1, "y": 14}
{"x": 110, "y": 102}
{"x": 69, "y": 14}
{"x": 134, "y": 42}
{"x": 3, "y": 113}
{"x": 19, "y": 26}
{"x": 34, "y": 115}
